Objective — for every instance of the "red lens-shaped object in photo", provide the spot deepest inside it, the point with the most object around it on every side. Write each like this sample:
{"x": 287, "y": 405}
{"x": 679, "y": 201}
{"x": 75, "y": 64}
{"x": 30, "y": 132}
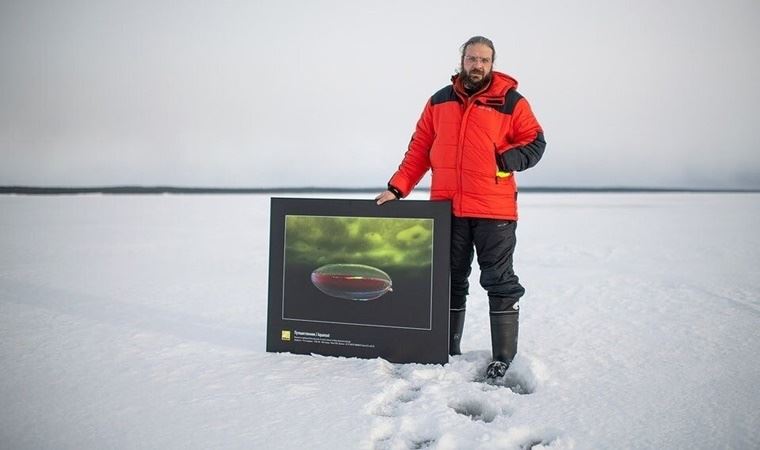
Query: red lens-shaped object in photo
{"x": 352, "y": 281}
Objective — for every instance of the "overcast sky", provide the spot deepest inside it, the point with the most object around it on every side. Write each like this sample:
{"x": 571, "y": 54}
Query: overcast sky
{"x": 326, "y": 93}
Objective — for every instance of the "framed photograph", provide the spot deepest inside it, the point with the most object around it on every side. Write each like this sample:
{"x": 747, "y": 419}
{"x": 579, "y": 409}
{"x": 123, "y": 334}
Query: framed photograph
{"x": 350, "y": 278}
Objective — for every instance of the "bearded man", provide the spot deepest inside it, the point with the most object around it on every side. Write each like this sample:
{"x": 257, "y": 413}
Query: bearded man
{"x": 474, "y": 134}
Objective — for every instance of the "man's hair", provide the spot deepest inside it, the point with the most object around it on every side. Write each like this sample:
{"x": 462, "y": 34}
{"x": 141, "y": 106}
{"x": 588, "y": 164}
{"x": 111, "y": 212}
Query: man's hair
{"x": 479, "y": 40}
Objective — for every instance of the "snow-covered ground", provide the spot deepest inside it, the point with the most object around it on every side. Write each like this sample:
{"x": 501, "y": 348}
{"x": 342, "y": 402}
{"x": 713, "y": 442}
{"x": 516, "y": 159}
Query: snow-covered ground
{"x": 139, "y": 322}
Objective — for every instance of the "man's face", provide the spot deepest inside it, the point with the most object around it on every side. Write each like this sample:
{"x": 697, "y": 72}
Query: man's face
{"x": 477, "y": 64}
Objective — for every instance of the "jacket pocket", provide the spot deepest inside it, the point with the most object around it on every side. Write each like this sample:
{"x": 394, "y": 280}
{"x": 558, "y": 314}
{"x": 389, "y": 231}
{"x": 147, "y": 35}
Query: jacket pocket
{"x": 500, "y": 174}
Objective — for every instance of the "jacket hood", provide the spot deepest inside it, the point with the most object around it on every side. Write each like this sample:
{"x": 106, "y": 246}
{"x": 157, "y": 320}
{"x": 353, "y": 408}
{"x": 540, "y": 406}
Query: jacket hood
{"x": 500, "y": 84}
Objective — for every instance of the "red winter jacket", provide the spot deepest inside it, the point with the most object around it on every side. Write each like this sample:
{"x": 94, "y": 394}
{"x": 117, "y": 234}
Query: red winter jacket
{"x": 465, "y": 141}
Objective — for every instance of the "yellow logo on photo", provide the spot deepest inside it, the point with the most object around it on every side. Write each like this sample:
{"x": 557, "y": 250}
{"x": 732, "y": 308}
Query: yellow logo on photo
{"x": 285, "y": 335}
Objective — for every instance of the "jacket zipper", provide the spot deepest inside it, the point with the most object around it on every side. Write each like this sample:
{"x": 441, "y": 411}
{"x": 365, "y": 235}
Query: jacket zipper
{"x": 462, "y": 130}
{"x": 496, "y": 159}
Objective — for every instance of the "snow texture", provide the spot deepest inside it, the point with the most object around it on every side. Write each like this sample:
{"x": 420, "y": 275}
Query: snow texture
{"x": 139, "y": 322}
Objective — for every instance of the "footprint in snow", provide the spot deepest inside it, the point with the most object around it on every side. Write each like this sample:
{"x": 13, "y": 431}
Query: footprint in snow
{"x": 388, "y": 403}
{"x": 477, "y": 410}
{"x": 533, "y": 443}
{"x": 410, "y": 394}
{"x": 398, "y": 392}
{"x": 394, "y": 406}
{"x": 423, "y": 444}
{"x": 413, "y": 392}
{"x": 389, "y": 444}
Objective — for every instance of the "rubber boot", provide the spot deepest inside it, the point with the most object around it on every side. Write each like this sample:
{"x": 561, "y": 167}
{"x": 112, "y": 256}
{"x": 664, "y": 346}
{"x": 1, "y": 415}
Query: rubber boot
{"x": 456, "y": 325}
{"x": 504, "y": 328}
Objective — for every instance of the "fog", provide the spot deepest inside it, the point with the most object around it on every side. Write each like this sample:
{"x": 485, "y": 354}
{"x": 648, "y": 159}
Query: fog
{"x": 272, "y": 94}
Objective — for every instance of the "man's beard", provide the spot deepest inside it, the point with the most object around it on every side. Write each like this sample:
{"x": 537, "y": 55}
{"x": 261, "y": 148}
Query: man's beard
{"x": 475, "y": 85}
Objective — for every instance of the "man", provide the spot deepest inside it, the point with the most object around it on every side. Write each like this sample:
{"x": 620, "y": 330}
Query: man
{"x": 473, "y": 134}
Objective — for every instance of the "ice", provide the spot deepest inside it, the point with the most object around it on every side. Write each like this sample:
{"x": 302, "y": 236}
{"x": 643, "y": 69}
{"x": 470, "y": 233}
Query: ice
{"x": 138, "y": 322}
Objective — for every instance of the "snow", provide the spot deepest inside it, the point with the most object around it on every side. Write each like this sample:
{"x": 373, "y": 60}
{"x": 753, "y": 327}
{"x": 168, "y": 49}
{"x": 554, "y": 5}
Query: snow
{"x": 138, "y": 322}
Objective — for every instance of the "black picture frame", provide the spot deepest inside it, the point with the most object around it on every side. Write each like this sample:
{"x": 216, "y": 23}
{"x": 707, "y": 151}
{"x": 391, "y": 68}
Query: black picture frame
{"x": 354, "y": 279}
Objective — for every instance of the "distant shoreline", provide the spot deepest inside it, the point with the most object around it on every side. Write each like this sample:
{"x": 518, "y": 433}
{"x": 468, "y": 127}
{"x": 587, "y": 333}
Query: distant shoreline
{"x": 119, "y": 190}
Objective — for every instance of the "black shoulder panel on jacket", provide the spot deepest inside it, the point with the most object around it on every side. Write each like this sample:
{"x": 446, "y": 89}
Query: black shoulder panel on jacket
{"x": 446, "y": 94}
{"x": 510, "y": 101}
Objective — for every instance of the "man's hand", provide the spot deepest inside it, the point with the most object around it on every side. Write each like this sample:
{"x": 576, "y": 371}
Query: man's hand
{"x": 385, "y": 197}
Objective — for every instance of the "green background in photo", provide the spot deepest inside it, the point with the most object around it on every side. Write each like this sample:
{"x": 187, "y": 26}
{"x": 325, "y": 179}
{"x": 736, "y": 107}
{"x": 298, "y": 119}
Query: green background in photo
{"x": 380, "y": 242}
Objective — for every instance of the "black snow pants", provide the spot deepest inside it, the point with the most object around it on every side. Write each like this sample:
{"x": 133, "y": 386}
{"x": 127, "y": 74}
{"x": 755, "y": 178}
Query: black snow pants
{"x": 494, "y": 240}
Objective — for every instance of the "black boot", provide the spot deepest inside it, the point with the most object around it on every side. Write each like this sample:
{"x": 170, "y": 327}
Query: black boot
{"x": 456, "y": 325}
{"x": 504, "y": 328}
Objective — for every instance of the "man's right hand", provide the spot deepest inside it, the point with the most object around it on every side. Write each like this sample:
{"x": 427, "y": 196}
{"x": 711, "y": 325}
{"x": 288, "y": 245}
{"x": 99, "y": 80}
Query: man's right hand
{"x": 385, "y": 197}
